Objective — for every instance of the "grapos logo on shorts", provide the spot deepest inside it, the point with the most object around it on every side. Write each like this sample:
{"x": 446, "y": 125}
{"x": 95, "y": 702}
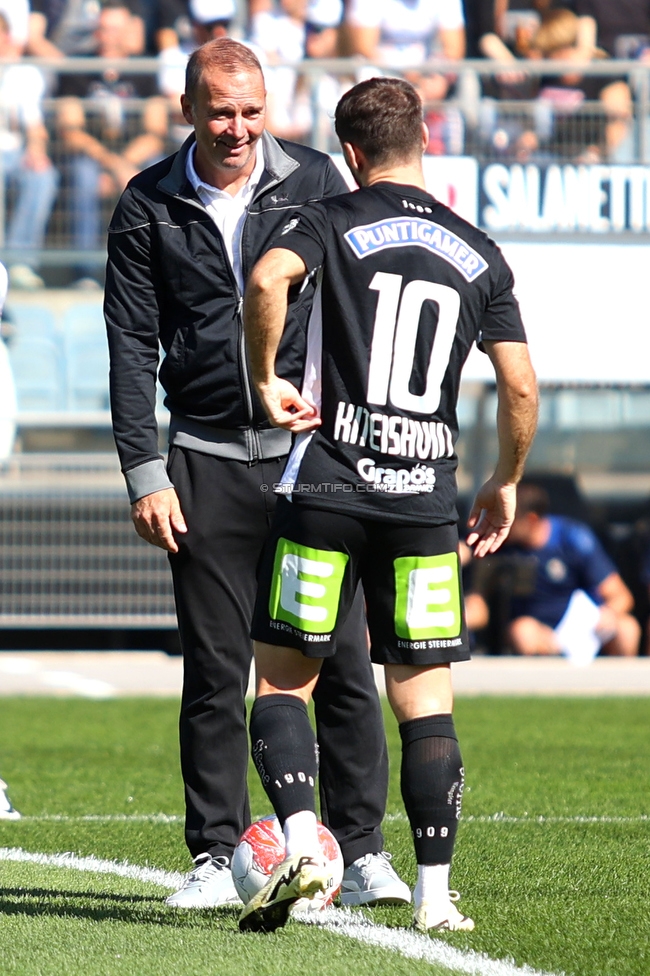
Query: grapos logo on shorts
{"x": 306, "y": 586}
{"x": 427, "y": 597}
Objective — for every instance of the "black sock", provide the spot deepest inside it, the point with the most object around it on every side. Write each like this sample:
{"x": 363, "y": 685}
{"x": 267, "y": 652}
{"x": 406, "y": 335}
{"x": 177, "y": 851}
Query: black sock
{"x": 285, "y": 753}
{"x": 432, "y": 785}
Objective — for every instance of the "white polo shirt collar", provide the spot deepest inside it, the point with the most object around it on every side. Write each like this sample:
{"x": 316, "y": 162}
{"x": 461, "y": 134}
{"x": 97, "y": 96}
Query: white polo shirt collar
{"x": 228, "y": 211}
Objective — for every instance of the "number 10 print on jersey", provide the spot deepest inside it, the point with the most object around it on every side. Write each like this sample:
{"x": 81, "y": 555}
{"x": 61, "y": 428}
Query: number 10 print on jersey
{"x": 390, "y": 372}
{"x": 400, "y": 301}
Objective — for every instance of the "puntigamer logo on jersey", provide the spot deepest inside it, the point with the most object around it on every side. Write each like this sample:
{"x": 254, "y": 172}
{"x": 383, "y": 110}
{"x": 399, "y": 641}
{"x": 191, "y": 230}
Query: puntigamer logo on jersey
{"x": 405, "y": 231}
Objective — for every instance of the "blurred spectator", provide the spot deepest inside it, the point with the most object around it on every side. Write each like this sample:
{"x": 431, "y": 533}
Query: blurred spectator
{"x": 279, "y": 32}
{"x": 182, "y": 28}
{"x": 479, "y": 17}
{"x": 59, "y": 28}
{"x": 576, "y": 602}
{"x": 92, "y": 122}
{"x": 173, "y": 28}
{"x": 477, "y": 614}
{"x": 492, "y": 30}
{"x": 516, "y": 22}
{"x": 210, "y": 19}
{"x": 323, "y": 40}
{"x": 558, "y": 127}
{"x": 404, "y": 33}
{"x": 8, "y": 410}
{"x": 401, "y": 35}
{"x": 286, "y": 30}
{"x": 642, "y": 564}
{"x": 25, "y": 162}
{"x": 559, "y": 38}
{"x": 322, "y": 21}
{"x": 622, "y": 30}
{"x": 16, "y": 13}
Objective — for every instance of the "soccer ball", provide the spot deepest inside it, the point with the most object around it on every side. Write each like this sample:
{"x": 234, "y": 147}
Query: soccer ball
{"x": 261, "y": 849}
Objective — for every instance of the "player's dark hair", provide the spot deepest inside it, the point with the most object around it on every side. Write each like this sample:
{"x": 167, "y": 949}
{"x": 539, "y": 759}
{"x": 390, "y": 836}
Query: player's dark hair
{"x": 532, "y": 498}
{"x": 115, "y": 5}
{"x": 4, "y": 24}
{"x": 383, "y": 117}
{"x": 222, "y": 54}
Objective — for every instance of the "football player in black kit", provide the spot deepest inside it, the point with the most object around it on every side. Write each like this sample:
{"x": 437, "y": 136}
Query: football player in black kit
{"x": 405, "y": 287}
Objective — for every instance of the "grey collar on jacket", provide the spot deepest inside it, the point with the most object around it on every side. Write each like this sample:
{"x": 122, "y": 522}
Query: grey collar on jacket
{"x": 277, "y": 166}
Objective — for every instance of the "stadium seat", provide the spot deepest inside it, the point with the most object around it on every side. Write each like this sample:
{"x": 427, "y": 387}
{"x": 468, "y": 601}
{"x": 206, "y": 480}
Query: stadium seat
{"x": 31, "y": 320}
{"x": 36, "y": 365}
{"x": 83, "y": 319}
{"x": 86, "y": 361}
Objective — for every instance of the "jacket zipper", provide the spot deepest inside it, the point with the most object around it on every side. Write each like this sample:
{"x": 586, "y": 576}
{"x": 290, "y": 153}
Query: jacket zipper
{"x": 255, "y": 447}
{"x": 253, "y": 437}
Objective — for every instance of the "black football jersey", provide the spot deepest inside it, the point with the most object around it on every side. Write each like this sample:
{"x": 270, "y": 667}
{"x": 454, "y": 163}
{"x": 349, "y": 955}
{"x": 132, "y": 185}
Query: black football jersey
{"x": 405, "y": 287}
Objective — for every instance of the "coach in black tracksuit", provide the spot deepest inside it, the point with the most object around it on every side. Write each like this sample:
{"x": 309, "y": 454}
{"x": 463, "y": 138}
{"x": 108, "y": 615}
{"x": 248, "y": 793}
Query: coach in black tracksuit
{"x": 171, "y": 280}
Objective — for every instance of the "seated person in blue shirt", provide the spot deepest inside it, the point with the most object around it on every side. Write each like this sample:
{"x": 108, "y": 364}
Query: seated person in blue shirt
{"x": 574, "y": 601}
{"x": 645, "y": 579}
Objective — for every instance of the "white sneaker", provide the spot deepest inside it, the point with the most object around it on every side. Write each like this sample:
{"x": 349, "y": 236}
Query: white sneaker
{"x": 7, "y": 811}
{"x": 299, "y": 876}
{"x": 429, "y": 917}
{"x": 372, "y": 880}
{"x": 209, "y": 885}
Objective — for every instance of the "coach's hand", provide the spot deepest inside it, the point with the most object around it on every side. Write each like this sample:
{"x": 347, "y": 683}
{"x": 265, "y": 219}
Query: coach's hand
{"x": 157, "y": 516}
{"x": 492, "y": 515}
{"x": 286, "y": 408}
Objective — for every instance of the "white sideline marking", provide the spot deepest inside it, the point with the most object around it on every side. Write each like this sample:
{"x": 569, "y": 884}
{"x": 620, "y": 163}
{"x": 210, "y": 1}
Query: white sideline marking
{"x": 340, "y": 921}
{"x": 504, "y": 818}
{"x": 166, "y": 879}
{"x": 354, "y": 925}
{"x": 164, "y": 818}
{"x": 167, "y": 818}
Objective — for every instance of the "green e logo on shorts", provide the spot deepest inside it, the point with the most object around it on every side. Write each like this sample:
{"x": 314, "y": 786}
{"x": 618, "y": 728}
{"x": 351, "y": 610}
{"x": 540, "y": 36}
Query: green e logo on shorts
{"x": 427, "y": 597}
{"x": 306, "y": 586}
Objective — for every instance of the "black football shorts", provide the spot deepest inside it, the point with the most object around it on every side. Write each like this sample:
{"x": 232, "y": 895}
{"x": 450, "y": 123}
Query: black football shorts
{"x": 311, "y": 566}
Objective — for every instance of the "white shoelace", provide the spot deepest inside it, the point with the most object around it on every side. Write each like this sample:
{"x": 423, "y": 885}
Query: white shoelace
{"x": 207, "y": 867}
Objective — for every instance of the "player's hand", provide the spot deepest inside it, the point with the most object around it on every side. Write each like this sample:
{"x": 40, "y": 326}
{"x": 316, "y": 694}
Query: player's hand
{"x": 157, "y": 516}
{"x": 286, "y": 408}
{"x": 492, "y": 515}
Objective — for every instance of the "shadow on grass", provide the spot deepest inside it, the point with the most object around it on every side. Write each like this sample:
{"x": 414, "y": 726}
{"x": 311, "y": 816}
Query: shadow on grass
{"x": 136, "y": 909}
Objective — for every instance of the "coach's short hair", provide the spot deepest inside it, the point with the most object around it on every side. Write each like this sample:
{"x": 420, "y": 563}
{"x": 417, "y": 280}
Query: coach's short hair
{"x": 222, "y": 54}
{"x": 383, "y": 117}
{"x": 532, "y": 498}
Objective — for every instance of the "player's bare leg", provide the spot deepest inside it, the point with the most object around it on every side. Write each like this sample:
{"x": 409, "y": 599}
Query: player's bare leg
{"x": 528, "y": 636}
{"x": 622, "y": 633}
{"x": 284, "y": 670}
{"x": 432, "y": 785}
{"x": 285, "y": 755}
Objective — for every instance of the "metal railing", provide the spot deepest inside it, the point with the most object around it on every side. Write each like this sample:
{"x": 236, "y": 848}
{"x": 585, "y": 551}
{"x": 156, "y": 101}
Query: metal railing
{"x": 69, "y": 556}
{"x": 473, "y": 121}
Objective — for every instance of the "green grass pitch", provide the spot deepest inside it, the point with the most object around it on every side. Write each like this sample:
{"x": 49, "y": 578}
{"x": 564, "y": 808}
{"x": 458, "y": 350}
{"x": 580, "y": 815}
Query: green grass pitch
{"x": 552, "y": 859}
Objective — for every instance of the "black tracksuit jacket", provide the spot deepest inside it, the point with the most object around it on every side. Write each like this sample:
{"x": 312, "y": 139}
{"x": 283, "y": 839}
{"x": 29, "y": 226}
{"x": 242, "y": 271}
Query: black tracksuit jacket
{"x": 169, "y": 281}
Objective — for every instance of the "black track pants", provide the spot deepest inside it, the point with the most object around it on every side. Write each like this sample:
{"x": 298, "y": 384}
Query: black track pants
{"x": 228, "y": 516}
